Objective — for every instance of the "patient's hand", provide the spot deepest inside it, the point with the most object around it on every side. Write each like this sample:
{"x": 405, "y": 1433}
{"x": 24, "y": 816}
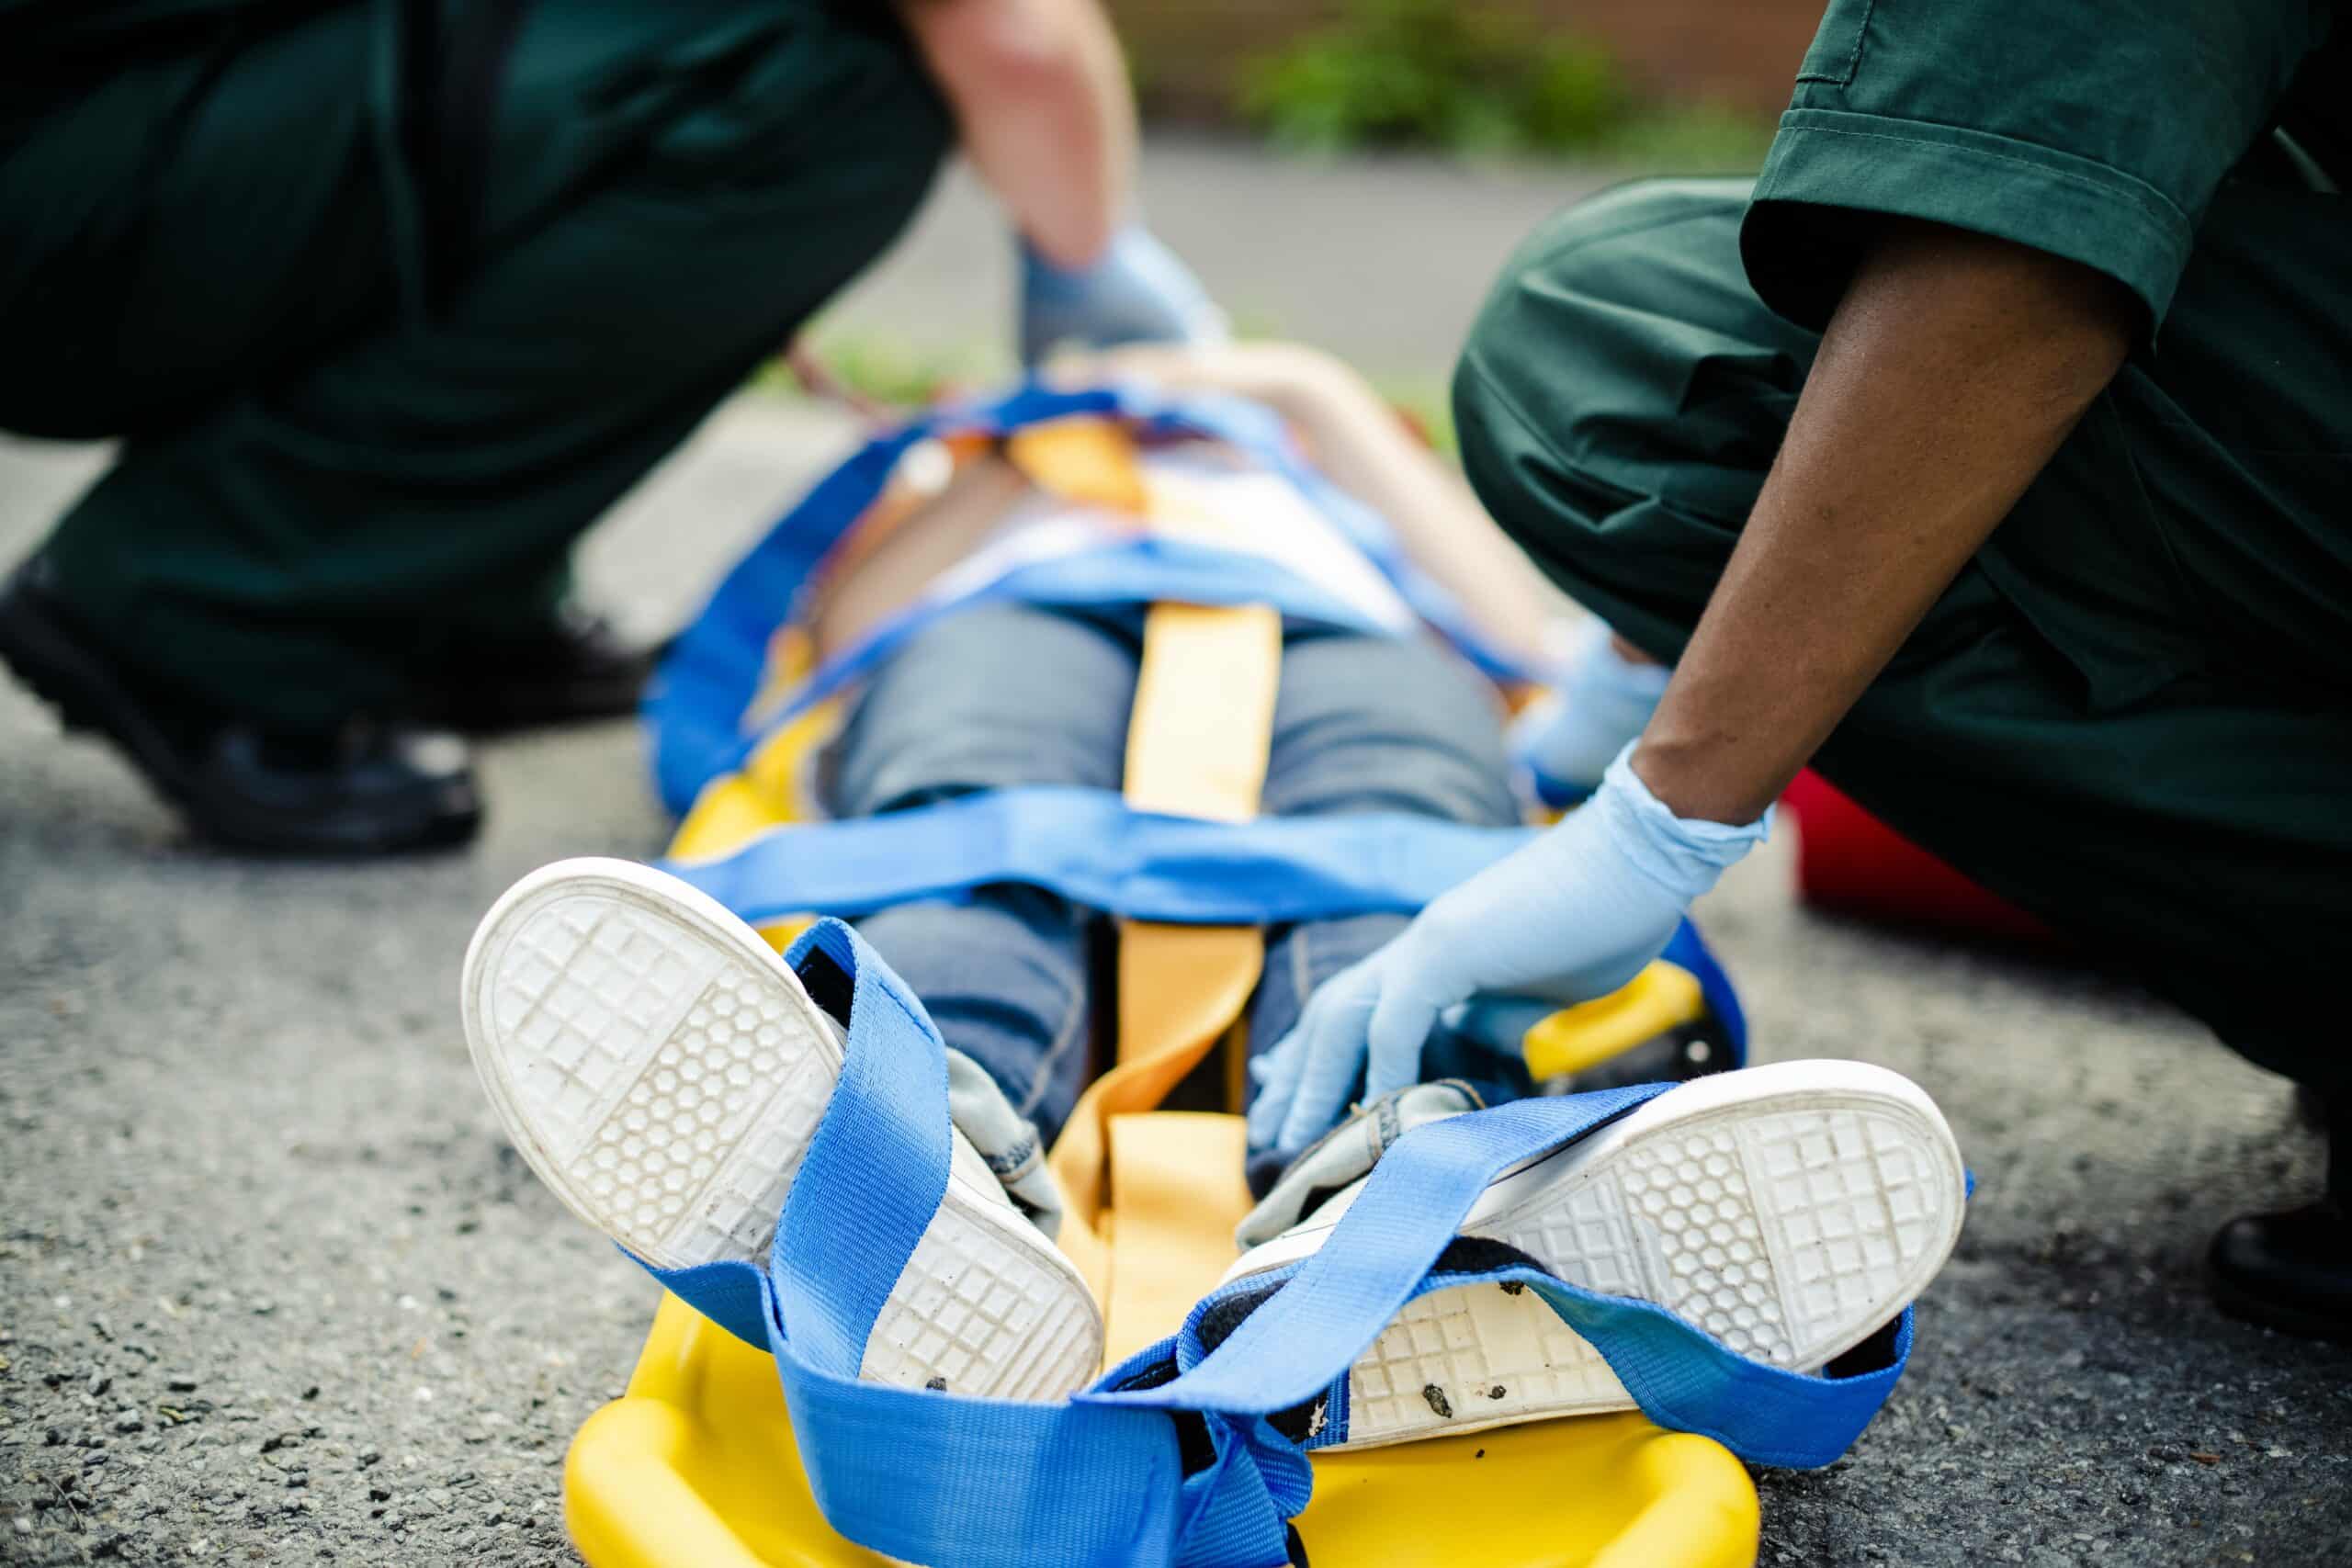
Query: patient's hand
{"x": 1291, "y": 377}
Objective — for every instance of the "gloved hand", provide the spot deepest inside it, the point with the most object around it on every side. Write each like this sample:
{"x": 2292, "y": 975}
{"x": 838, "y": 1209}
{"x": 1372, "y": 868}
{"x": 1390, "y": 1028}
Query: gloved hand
{"x": 1570, "y": 917}
{"x": 1139, "y": 292}
{"x": 1564, "y": 741}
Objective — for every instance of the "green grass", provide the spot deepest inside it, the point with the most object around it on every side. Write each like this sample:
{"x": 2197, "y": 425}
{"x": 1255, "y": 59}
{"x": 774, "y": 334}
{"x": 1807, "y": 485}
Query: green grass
{"x": 898, "y": 371}
{"x": 902, "y": 373}
{"x": 1426, "y": 402}
{"x": 1471, "y": 77}
{"x": 1701, "y": 138}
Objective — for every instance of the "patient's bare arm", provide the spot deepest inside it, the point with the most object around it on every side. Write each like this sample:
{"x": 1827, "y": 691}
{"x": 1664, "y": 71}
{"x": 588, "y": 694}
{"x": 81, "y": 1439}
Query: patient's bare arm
{"x": 913, "y": 549}
{"x": 1359, "y": 442}
{"x": 1354, "y": 437}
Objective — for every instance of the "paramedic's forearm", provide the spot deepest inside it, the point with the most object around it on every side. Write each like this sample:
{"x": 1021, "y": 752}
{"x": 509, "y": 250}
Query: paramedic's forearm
{"x": 1951, "y": 372}
{"x": 1042, "y": 104}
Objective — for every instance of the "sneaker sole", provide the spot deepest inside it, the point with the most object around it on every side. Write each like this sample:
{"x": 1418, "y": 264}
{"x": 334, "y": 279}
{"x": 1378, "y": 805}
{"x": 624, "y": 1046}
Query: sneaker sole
{"x": 663, "y": 1070}
{"x": 1788, "y": 1210}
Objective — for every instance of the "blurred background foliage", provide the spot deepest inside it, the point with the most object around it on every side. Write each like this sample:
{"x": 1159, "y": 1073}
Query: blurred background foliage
{"x": 1584, "y": 91}
{"x": 1679, "y": 85}
{"x": 1432, "y": 73}
{"x": 897, "y": 372}
{"x": 1476, "y": 79}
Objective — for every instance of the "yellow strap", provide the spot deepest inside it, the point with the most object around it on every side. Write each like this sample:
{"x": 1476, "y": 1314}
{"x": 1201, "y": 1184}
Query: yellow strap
{"x": 1197, "y": 738}
{"x": 1204, "y": 710}
{"x": 1177, "y": 1192}
{"x": 1197, "y": 743}
{"x": 1081, "y": 458}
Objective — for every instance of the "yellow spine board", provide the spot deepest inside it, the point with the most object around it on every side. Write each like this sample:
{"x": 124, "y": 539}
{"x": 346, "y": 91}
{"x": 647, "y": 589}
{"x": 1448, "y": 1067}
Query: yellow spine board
{"x": 696, "y": 1466}
{"x": 1662, "y": 997}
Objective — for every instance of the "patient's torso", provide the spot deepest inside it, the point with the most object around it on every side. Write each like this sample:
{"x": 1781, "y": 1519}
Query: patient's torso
{"x": 991, "y": 520}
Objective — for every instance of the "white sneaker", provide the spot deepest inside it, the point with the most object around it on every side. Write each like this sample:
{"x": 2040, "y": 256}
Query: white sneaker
{"x": 663, "y": 1070}
{"x": 1789, "y": 1211}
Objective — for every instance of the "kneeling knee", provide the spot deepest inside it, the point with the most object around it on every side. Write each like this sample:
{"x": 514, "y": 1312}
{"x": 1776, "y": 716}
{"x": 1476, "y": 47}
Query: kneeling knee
{"x": 1590, "y": 278}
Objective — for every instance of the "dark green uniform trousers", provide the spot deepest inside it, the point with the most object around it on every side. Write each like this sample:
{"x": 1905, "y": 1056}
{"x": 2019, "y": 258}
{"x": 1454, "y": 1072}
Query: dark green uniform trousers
{"x": 2132, "y": 712}
{"x": 390, "y": 302}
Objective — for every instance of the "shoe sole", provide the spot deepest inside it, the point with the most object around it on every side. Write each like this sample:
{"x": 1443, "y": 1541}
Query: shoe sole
{"x": 1788, "y": 1210}
{"x": 663, "y": 1070}
{"x": 48, "y": 658}
{"x": 2233, "y": 1301}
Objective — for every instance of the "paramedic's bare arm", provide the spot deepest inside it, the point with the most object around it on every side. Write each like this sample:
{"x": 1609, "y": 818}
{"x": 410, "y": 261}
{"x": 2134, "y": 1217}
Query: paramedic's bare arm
{"x": 1358, "y": 440}
{"x": 1042, "y": 103}
{"x": 1951, "y": 372}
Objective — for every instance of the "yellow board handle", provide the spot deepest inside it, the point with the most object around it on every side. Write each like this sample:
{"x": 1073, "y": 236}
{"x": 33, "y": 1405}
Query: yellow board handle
{"x": 1662, "y": 997}
{"x": 773, "y": 790}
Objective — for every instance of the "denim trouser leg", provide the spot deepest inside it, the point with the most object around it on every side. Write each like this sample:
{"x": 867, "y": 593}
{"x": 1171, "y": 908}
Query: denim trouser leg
{"x": 1370, "y": 724}
{"x": 987, "y": 697}
{"x": 999, "y": 695}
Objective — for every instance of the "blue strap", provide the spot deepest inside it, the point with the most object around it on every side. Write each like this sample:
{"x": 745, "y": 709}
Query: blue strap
{"x": 1092, "y": 847}
{"x": 1130, "y": 572}
{"x": 1383, "y": 1248}
{"x": 960, "y": 1482}
{"x": 1381, "y": 1255}
{"x": 876, "y": 1166}
{"x": 714, "y": 667}
{"x": 933, "y": 1477}
{"x": 1095, "y": 849}
{"x": 964, "y": 1483}
{"x": 1687, "y": 948}
{"x": 1255, "y": 429}
{"x": 713, "y": 671}
{"x": 736, "y": 1296}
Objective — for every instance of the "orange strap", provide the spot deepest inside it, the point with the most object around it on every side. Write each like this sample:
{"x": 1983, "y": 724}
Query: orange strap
{"x": 1197, "y": 739}
{"x": 1083, "y": 460}
{"x": 1197, "y": 743}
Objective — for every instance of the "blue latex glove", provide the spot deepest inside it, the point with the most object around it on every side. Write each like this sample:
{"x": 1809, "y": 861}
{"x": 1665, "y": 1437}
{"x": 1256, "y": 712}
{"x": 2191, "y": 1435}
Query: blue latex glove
{"x": 1497, "y": 1024}
{"x": 1139, "y": 292}
{"x": 1570, "y": 917}
{"x": 1601, "y": 700}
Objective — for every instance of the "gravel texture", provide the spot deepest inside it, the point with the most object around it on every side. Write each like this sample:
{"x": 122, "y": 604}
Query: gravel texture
{"x": 273, "y": 1291}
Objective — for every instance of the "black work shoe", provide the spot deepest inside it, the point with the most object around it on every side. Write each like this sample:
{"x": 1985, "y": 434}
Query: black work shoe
{"x": 2290, "y": 1271}
{"x": 571, "y": 668}
{"x": 363, "y": 790}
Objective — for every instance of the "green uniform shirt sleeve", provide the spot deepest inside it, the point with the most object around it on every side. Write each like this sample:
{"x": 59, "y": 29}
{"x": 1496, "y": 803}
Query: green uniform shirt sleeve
{"x": 2093, "y": 130}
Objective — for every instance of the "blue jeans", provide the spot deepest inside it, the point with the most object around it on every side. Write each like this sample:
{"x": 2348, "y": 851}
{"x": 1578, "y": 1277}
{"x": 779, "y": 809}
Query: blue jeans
{"x": 1001, "y": 695}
